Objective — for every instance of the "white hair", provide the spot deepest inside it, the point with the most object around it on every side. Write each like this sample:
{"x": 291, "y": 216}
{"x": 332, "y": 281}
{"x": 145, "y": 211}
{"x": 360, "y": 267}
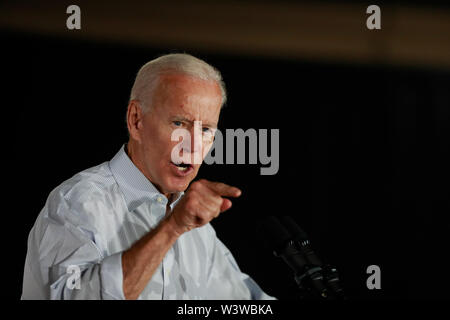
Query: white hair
{"x": 178, "y": 63}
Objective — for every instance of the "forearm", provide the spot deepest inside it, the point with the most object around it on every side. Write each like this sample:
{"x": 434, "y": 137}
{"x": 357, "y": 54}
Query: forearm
{"x": 140, "y": 262}
{"x": 200, "y": 204}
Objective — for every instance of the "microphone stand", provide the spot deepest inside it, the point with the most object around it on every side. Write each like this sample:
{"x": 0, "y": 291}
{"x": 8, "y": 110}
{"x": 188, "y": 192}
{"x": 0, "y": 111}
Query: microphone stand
{"x": 314, "y": 280}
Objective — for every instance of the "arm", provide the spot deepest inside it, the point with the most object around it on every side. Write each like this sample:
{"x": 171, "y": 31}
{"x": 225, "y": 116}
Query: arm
{"x": 56, "y": 243}
{"x": 201, "y": 203}
{"x": 140, "y": 262}
{"x": 55, "y": 246}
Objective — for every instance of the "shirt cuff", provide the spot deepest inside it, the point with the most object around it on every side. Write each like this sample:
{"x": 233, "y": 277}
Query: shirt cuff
{"x": 112, "y": 277}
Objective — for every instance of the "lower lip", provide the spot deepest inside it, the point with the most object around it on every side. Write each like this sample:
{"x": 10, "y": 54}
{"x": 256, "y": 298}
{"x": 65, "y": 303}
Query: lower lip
{"x": 179, "y": 172}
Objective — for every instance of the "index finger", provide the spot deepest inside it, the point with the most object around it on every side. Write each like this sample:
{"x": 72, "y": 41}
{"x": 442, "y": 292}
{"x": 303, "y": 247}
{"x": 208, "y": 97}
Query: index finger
{"x": 223, "y": 189}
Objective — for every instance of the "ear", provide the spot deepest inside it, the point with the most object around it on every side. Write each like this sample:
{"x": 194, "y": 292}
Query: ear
{"x": 134, "y": 119}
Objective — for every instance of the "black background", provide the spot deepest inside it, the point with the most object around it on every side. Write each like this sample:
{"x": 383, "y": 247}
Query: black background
{"x": 364, "y": 153}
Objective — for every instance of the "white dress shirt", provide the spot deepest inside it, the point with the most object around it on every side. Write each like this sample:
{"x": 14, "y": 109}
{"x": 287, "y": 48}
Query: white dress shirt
{"x": 90, "y": 219}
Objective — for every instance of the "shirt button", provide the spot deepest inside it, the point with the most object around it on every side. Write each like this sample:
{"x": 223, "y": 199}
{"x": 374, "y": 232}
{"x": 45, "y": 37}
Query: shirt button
{"x": 159, "y": 199}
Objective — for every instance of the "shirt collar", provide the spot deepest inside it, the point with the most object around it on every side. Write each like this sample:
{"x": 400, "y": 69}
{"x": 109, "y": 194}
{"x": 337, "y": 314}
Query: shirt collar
{"x": 135, "y": 187}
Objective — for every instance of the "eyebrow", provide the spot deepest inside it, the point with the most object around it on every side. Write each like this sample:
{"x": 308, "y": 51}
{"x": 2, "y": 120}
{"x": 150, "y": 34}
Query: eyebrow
{"x": 181, "y": 118}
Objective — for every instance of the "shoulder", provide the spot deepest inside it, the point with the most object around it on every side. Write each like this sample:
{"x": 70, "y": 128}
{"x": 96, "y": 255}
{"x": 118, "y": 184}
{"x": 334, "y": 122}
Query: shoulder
{"x": 83, "y": 194}
{"x": 84, "y": 185}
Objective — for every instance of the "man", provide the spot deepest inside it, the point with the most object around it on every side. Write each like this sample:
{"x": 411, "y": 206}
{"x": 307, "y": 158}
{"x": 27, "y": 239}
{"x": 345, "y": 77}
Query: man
{"x": 125, "y": 229}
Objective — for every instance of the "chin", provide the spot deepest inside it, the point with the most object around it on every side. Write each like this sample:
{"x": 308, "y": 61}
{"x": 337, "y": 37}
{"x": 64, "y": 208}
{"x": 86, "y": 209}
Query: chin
{"x": 177, "y": 186}
{"x": 178, "y": 183}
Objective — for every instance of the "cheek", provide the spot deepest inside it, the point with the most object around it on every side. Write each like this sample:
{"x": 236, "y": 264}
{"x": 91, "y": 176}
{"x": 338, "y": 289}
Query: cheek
{"x": 155, "y": 137}
{"x": 206, "y": 147}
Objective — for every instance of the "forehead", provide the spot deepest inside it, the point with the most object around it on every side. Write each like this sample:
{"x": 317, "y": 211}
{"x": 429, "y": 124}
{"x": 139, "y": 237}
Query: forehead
{"x": 182, "y": 83}
{"x": 189, "y": 96}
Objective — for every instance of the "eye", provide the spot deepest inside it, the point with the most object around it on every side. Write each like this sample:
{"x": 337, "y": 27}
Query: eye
{"x": 177, "y": 123}
{"x": 206, "y": 129}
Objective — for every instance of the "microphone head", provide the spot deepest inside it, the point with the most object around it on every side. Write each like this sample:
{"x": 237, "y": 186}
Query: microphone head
{"x": 293, "y": 228}
{"x": 302, "y": 239}
{"x": 275, "y": 234}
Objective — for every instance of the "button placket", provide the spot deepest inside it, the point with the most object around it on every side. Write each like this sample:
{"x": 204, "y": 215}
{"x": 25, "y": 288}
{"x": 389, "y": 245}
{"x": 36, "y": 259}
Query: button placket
{"x": 167, "y": 263}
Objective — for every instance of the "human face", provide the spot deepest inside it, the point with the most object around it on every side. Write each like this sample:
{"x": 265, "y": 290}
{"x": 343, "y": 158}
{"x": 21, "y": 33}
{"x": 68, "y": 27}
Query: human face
{"x": 179, "y": 101}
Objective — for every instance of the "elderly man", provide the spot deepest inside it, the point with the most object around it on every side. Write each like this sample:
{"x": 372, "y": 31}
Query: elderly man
{"x": 126, "y": 229}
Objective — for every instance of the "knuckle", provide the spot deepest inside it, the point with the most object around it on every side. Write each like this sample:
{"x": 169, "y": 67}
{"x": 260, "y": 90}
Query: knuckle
{"x": 203, "y": 216}
{"x": 213, "y": 212}
{"x": 197, "y": 185}
{"x": 217, "y": 185}
{"x": 191, "y": 204}
{"x": 218, "y": 201}
{"x": 194, "y": 186}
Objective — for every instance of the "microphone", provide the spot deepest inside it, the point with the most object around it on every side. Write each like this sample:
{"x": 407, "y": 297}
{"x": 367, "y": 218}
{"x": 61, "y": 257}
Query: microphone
{"x": 282, "y": 245}
{"x": 301, "y": 238}
{"x": 289, "y": 242}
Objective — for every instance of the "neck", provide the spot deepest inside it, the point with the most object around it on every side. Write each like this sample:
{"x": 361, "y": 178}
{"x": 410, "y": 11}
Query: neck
{"x": 130, "y": 150}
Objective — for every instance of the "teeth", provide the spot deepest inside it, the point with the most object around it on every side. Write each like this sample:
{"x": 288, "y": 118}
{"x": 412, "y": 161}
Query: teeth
{"x": 182, "y": 168}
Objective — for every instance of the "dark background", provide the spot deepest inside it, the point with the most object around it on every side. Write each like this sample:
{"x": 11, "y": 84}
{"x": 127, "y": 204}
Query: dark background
{"x": 364, "y": 154}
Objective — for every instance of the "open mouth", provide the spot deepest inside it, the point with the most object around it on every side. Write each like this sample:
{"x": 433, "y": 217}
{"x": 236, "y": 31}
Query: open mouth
{"x": 182, "y": 166}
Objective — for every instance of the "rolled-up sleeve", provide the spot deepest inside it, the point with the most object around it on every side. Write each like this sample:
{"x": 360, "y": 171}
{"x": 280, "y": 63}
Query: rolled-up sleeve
{"x": 64, "y": 263}
{"x": 98, "y": 281}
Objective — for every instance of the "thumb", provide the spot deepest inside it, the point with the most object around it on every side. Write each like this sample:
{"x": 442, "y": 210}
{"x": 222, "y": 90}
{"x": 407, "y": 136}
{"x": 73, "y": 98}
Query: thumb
{"x": 226, "y": 204}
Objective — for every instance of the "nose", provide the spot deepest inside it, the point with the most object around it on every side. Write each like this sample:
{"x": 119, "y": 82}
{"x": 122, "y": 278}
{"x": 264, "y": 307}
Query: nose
{"x": 197, "y": 139}
{"x": 192, "y": 141}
